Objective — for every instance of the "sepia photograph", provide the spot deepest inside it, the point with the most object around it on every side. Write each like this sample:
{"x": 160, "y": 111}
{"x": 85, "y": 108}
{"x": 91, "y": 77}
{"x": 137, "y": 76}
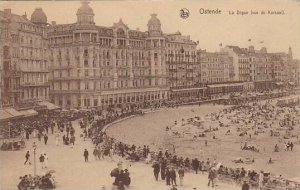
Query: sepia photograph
{"x": 150, "y": 95}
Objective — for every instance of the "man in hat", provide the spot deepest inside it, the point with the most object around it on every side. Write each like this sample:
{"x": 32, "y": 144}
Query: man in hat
{"x": 173, "y": 176}
{"x": 156, "y": 170}
{"x": 167, "y": 176}
{"x": 45, "y": 139}
{"x": 27, "y": 156}
{"x": 245, "y": 186}
{"x": 42, "y": 160}
{"x": 86, "y": 155}
{"x": 181, "y": 175}
{"x": 211, "y": 177}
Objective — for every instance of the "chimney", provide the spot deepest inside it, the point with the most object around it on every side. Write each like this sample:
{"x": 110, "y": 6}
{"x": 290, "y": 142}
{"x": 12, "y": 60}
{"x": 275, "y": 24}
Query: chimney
{"x": 24, "y": 16}
{"x": 7, "y": 12}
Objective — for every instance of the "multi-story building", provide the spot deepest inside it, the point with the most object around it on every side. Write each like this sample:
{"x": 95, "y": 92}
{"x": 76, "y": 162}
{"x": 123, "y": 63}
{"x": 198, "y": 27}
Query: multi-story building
{"x": 93, "y": 66}
{"x": 262, "y": 69}
{"x": 214, "y": 67}
{"x": 182, "y": 66}
{"x": 102, "y": 66}
{"x": 25, "y": 64}
{"x": 242, "y": 66}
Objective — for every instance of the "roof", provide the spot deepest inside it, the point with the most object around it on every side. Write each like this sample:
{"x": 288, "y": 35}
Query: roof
{"x": 8, "y": 113}
{"x": 38, "y": 16}
{"x": 188, "y": 89}
{"x": 49, "y": 105}
{"x": 4, "y": 115}
{"x": 224, "y": 85}
{"x": 28, "y": 113}
{"x": 15, "y": 18}
{"x": 238, "y": 50}
{"x": 154, "y": 20}
{"x": 85, "y": 9}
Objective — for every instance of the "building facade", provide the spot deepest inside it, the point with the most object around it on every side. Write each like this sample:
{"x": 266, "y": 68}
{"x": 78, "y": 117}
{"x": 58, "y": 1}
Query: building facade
{"x": 214, "y": 67}
{"x": 25, "y": 57}
{"x": 103, "y": 66}
{"x": 82, "y": 65}
{"x": 182, "y": 66}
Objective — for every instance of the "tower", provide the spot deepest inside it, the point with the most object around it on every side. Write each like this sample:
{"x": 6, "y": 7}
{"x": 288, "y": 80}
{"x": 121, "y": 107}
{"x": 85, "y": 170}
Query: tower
{"x": 85, "y": 14}
{"x": 154, "y": 26}
{"x": 39, "y": 17}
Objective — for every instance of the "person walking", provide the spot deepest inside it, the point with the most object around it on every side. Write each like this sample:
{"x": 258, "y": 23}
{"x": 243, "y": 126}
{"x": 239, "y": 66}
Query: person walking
{"x": 181, "y": 175}
{"x": 211, "y": 177}
{"x": 95, "y": 153}
{"x": 173, "y": 176}
{"x": 86, "y": 155}
{"x": 27, "y": 157}
{"x": 156, "y": 170}
{"x": 46, "y": 160}
{"x": 42, "y": 160}
{"x": 195, "y": 165}
{"x": 45, "y": 139}
{"x": 167, "y": 176}
{"x": 39, "y": 136}
{"x": 57, "y": 138}
{"x": 163, "y": 166}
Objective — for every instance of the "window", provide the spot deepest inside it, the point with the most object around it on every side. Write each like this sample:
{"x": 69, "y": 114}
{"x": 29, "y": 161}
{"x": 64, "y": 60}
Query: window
{"x": 86, "y": 73}
{"x": 86, "y": 85}
{"x": 86, "y": 63}
{"x": 86, "y": 52}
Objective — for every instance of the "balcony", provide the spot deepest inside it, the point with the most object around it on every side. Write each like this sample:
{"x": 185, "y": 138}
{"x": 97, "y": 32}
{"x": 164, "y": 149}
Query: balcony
{"x": 14, "y": 90}
{"x": 29, "y": 84}
{"x": 62, "y": 67}
{"x": 12, "y": 73}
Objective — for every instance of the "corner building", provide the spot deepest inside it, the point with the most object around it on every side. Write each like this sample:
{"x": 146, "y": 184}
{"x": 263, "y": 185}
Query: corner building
{"x": 24, "y": 57}
{"x": 95, "y": 66}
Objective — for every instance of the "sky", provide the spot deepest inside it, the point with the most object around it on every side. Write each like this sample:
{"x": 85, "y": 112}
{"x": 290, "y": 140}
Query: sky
{"x": 277, "y": 32}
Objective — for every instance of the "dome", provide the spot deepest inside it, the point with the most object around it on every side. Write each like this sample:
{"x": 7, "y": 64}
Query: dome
{"x": 38, "y": 16}
{"x": 153, "y": 20}
{"x": 85, "y": 9}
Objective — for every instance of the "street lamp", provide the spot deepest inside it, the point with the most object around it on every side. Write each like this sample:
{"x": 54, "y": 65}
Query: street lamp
{"x": 34, "y": 146}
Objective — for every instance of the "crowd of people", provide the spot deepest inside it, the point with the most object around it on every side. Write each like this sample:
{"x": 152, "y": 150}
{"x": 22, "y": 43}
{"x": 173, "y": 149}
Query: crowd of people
{"x": 28, "y": 182}
{"x": 169, "y": 165}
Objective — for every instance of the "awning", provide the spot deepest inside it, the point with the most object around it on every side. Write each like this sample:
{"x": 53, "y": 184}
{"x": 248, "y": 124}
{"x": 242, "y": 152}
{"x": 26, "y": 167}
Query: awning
{"x": 49, "y": 105}
{"x": 9, "y": 113}
{"x": 224, "y": 85}
{"x": 188, "y": 89}
{"x": 28, "y": 113}
{"x": 279, "y": 83}
{"x": 4, "y": 115}
{"x": 13, "y": 112}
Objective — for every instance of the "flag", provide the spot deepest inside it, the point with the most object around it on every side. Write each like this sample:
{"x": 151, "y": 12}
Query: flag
{"x": 249, "y": 40}
{"x": 220, "y": 44}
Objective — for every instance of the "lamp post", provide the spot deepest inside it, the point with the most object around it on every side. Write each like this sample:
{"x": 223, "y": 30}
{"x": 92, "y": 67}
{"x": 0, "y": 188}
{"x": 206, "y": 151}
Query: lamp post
{"x": 34, "y": 158}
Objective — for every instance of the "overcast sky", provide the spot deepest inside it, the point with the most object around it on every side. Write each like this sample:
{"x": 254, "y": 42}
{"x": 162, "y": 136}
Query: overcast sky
{"x": 278, "y": 32}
